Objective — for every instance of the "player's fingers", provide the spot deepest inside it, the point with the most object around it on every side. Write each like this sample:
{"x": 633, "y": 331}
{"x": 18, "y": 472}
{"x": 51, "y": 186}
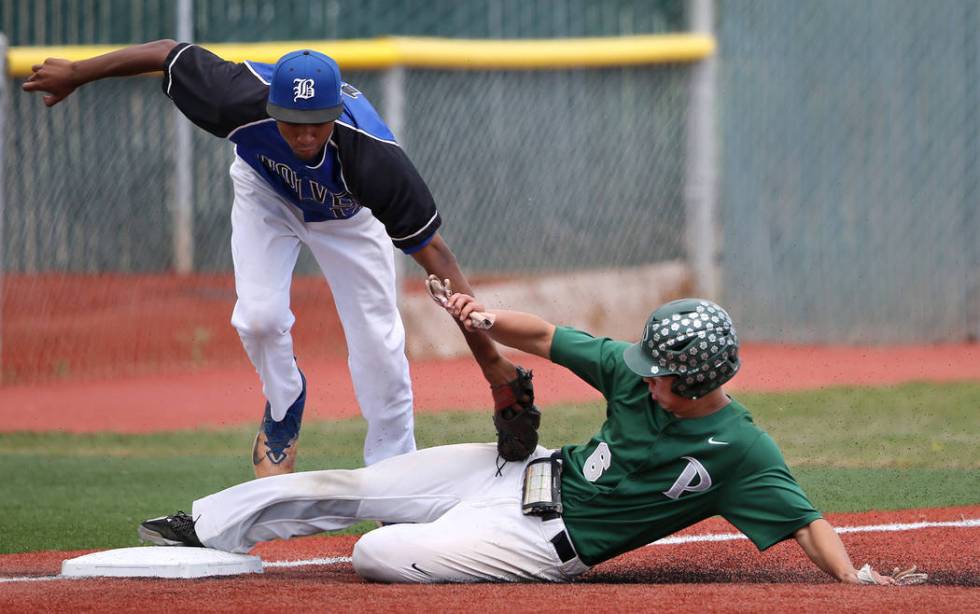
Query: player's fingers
{"x": 465, "y": 312}
{"x": 906, "y": 577}
{"x": 52, "y": 99}
{"x": 35, "y": 67}
{"x": 899, "y": 573}
{"x": 471, "y": 306}
{"x": 458, "y": 301}
{"x": 465, "y": 321}
{"x": 882, "y": 580}
{"x": 34, "y": 80}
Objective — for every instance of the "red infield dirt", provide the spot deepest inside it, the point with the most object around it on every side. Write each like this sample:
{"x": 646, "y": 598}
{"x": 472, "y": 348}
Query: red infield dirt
{"x": 64, "y": 345}
{"x": 725, "y": 576}
{"x": 224, "y": 397}
{"x": 140, "y": 353}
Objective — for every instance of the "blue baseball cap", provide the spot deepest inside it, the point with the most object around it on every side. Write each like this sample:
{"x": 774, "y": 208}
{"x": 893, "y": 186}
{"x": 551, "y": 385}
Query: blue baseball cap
{"x": 305, "y": 89}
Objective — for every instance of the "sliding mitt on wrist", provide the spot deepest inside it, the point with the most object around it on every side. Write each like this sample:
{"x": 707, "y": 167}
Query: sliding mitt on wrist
{"x": 515, "y": 417}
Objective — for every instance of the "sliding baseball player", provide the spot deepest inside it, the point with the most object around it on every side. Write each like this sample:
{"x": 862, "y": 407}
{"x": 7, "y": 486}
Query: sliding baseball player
{"x": 674, "y": 449}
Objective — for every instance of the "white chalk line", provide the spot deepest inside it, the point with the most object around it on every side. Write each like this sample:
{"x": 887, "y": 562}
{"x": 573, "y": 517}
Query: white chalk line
{"x": 667, "y": 541}
{"x": 308, "y": 562}
{"x": 871, "y": 528}
{"x": 34, "y": 579}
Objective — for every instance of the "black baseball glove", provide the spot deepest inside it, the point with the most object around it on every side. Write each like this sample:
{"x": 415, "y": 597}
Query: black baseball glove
{"x": 516, "y": 418}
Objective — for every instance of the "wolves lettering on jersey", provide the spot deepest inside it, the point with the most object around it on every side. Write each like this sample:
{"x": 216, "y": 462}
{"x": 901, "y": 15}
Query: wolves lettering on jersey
{"x": 338, "y": 201}
{"x": 318, "y": 188}
{"x": 360, "y": 167}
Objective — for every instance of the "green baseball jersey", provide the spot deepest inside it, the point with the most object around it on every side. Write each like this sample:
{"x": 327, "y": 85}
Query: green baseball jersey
{"x": 647, "y": 474}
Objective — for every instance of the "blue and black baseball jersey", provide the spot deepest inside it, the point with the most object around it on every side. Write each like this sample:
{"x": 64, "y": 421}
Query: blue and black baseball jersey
{"x": 361, "y": 166}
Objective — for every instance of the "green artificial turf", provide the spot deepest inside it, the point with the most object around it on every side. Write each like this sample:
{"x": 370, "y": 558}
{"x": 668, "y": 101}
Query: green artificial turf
{"x": 852, "y": 450}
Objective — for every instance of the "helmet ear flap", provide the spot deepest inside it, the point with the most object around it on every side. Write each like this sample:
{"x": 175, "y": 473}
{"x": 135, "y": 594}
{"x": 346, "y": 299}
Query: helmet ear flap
{"x": 696, "y": 385}
{"x": 709, "y": 357}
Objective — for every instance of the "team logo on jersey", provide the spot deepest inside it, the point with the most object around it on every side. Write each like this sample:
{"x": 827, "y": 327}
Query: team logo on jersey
{"x": 303, "y": 89}
{"x": 341, "y": 204}
{"x": 685, "y": 481}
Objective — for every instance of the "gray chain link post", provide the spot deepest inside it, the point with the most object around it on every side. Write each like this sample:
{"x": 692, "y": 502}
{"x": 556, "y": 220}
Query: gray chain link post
{"x": 393, "y": 93}
{"x": 182, "y": 207}
{"x": 972, "y": 191}
{"x": 4, "y": 85}
{"x": 701, "y": 180}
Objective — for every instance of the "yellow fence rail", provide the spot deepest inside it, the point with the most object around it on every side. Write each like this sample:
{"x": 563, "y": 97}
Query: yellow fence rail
{"x": 442, "y": 53}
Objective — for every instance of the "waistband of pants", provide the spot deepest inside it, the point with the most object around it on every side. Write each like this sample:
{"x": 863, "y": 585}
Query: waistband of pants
{"x": 561, "y": 542}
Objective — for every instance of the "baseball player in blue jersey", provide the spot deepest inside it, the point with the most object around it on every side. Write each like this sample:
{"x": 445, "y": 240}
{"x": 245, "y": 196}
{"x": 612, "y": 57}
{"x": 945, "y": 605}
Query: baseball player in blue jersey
{"x": 674, "y": 449}
{"x": 315, "y": 165}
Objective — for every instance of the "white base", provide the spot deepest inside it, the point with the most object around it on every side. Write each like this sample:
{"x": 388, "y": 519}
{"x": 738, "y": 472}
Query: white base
{"x": 161, "y": 562}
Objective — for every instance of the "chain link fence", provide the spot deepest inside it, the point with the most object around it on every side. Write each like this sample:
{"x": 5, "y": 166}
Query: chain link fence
{"x": 848, "y": 170}
{"x": 71, "y": 22}
{"x": 531, "y": 171}
{"x": 534, "y": 172}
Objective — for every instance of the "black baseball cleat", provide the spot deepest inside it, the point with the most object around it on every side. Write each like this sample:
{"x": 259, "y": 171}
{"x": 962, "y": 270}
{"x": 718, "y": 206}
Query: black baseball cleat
{"x": 176, "y": 530}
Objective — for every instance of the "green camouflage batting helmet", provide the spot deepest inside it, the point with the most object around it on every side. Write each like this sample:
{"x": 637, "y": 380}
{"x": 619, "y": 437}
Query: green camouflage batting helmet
{"x": 691, "y": 338}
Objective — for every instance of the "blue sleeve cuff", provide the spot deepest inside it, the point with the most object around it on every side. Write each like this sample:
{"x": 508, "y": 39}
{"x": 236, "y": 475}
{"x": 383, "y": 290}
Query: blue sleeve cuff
{"x": 417, "y": 247}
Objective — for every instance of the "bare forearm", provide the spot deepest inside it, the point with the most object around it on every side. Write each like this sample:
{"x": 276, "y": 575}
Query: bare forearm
{"x": 523, "y": 331}
{"x": 823, "y": 546}
{"x": 437, "y": 259}
{"x": 134, "y": 60}
{"x": 57, "y": 78}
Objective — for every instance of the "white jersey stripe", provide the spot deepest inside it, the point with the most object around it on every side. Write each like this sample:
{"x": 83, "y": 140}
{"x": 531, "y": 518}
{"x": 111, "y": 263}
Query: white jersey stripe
{"x": 419, "y": 231}
{"x": 367, "y": 133}
{"x": 171, "y": 65}
{"x": 248, "y": 65}
{"x": 256, "y": 122}
{"x": 340, "y": 165}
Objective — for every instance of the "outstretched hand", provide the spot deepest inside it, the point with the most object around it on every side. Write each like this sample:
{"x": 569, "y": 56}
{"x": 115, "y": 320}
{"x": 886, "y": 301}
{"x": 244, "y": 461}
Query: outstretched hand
{"x": 899, "y": 577}
{"x": 462, "y": 306}
{"x": 55, "y": 76}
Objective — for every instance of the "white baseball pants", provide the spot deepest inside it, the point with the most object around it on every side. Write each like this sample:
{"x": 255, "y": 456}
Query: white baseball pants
{"x": 461, "y": 521}
{"x": 357, "y": 259}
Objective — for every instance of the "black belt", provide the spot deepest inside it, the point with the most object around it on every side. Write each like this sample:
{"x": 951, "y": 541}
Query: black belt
{"x": 563, "y": 546}
{"x": 561, "y": 542}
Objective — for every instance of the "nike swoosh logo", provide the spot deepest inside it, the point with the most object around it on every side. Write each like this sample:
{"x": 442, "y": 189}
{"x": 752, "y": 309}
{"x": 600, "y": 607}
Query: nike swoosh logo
{"x": 714, "y": 442}
{"x": 421, "y": 571}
